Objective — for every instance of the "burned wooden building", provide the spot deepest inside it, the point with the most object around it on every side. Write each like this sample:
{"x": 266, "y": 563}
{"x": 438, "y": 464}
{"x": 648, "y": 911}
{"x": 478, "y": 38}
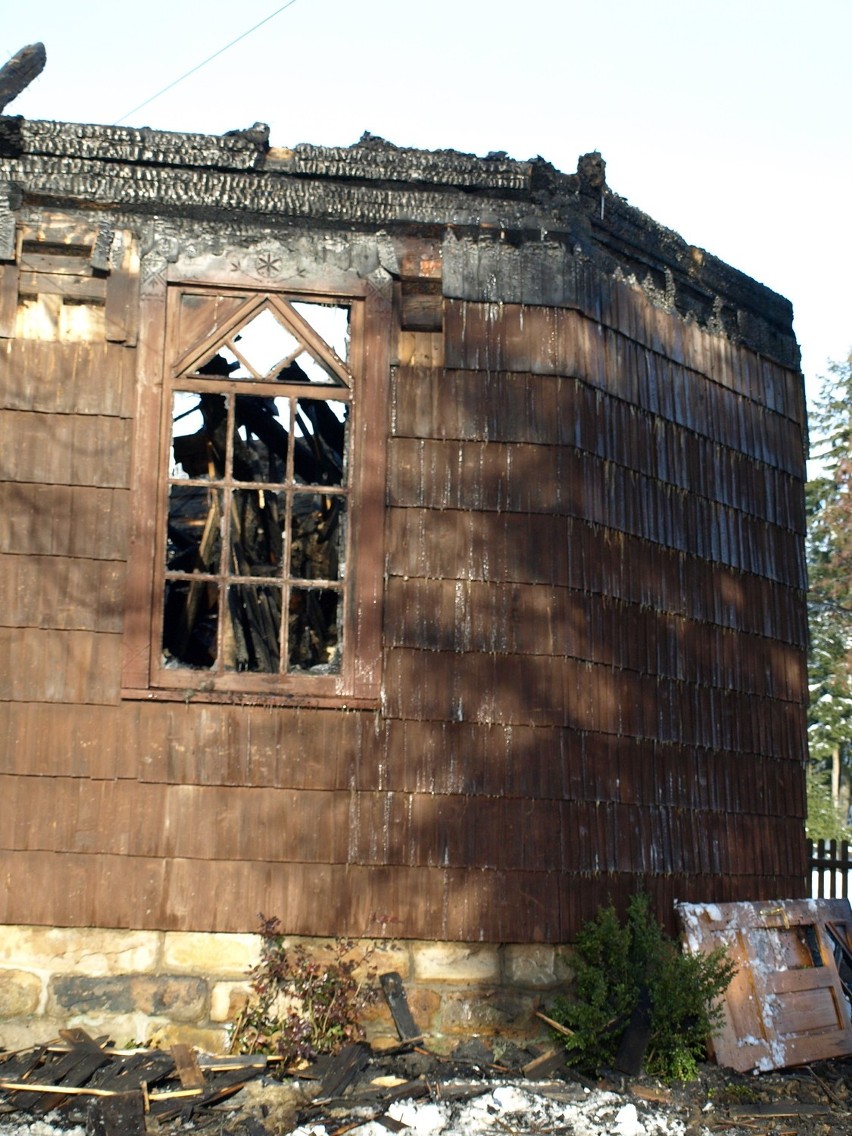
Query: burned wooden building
{"x": 406, "y": 544}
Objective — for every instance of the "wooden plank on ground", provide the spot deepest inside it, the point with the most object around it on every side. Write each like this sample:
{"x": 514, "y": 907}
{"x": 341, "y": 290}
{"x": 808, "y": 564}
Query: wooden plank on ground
{"x": 235, "y": 1061}
{"x": 778, "y": 1108}
{"x": 18, "y": 1066}
{"x": 343, "y": 1070}
{"x": 79, "y": 1039}
{"x": 188, "y": 1069}
{"x": 227, "y": 1084}
{"x": 69, "y": 1071}
{"x": 391, "y": 1124}
{"x": 116, "y": 1116}
{"x": 132, "y": 1070}
{"x": 545, "y": 1064}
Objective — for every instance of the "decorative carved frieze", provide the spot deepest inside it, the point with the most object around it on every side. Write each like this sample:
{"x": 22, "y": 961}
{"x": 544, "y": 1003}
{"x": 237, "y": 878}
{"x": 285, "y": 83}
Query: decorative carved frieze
{"x": 294, "y": 259}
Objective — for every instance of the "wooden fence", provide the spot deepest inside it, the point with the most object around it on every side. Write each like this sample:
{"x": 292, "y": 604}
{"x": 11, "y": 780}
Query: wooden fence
{"x": 830, "y": 865}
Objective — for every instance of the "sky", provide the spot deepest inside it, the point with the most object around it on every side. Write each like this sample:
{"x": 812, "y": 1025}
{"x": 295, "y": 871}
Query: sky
{"x": 727, "y": 121}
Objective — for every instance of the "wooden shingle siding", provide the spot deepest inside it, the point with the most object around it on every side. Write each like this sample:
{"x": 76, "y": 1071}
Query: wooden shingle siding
{"x": 552, "y": 411}
{"x": 63, "y": 520}
{"x": 558, "y": 480}
{"x": 540, "y": 275}
{"x": 588, "y": 525}
{"x": 540, "y": 690}
{"x": 68, "y": 378}
{"x": 533, "y": 549}
{"x": 474, "y": 616}
{"x": 114, "y": 818}
{"x": 642, "y": 673}
{"x": 430, "y": 903}
{"x": 46, "y": 665}
{"x": 50, "y": 740}
{"x": 691, "y": 392}
{"x": 72, "y": 594}
{"x": 59, "y": 450}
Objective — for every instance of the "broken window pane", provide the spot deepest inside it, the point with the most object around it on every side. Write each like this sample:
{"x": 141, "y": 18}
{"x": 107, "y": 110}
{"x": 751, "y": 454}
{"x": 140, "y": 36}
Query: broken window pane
{"x": 193, "y": 540}
{"x": 223, "y": 364}
{"x": 261, "y": 434}
{"x": 252, "y": 628}
{"x": 330, "y": 321}
{"x": 186, "y": 422}
{"x": 321, "y": 432}
{"x": 257, "y": 532}
{"x": 314, "y": 633}
{"x": 265, "y": 348}
{"x": 265, "y": 344}
{"x": 310, "y": 370}
{"x": 190, "y": 618}
{"x": 198, "y": 434}
{"x": 317, "y": 533}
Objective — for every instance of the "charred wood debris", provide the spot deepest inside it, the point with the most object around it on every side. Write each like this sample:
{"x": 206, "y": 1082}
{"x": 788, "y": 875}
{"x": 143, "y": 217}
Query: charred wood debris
{"x": 80, "y": 1080}
{"x": 77, "y": 1078}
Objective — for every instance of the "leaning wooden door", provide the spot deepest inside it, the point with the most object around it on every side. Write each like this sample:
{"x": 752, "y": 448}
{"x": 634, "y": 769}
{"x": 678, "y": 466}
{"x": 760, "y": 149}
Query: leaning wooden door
{"x": 788, "y": 1003}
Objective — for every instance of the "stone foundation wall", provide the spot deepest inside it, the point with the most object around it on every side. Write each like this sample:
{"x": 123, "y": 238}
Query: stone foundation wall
{"x": 162, "y": 987}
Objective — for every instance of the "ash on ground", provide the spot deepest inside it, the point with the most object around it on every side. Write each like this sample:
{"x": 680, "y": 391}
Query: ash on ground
{"x": 476, "y": 1093}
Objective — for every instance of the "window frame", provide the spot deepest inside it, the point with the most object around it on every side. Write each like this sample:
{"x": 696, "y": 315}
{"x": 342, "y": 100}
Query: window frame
{"x": 161, "y": 360}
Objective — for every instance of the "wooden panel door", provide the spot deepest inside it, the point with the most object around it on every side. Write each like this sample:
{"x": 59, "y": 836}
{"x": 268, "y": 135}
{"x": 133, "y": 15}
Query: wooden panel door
{"x": 788, "y": 1003}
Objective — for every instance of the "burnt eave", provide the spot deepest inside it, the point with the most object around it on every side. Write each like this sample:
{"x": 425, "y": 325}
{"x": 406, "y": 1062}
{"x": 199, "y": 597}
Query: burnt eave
{"x": 376, "y": 185}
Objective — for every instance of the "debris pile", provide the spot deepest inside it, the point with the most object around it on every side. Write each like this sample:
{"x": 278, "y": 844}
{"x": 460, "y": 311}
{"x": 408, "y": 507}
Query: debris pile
{"x": 119, "y": 1091}
{"x": 83, "y": 1086}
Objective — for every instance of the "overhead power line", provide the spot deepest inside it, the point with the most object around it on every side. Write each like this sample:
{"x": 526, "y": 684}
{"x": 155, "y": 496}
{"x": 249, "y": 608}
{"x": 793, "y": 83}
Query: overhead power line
{"x": 204, "y": 62}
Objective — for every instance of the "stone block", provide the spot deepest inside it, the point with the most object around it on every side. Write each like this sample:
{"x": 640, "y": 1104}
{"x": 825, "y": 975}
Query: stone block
{"x": 492, "y": 1012}
{"x": 20, "y": 993}
{"x": 530, "y": 965}
{"x": 206, "y": 1040}
{"x": 461, "y": 963}
{"x": 79, "y": 950}
{"x": 179, "y": 998}
{"x": 25, "y": 1033}
{"x": 227, "y": 1000}
{"x": 210, "y": 954}
{"x": 378, "y": 1016}
{"x": 564, "y": 966}
{"x": 128, "y": 1031}
{"x": 372, "y": 957}
{"x": 86, "y": 995}
{"x": 392, "y": 956}
{"x": 425, "y": 1006}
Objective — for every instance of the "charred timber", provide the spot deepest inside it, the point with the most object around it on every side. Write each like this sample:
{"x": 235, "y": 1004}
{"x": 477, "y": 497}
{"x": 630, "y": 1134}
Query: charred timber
{"x": 513, "y": 205}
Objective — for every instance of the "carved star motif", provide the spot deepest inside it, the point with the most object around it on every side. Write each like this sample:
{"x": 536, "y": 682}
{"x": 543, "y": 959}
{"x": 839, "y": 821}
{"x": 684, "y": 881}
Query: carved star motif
{"x": 267, "y": 264}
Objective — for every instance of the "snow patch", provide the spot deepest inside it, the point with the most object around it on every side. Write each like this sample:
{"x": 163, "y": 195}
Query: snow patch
{"x": 627, "y": 1121}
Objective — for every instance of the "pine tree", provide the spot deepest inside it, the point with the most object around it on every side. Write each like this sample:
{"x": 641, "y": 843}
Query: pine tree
{"x": 829, "y": 554}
